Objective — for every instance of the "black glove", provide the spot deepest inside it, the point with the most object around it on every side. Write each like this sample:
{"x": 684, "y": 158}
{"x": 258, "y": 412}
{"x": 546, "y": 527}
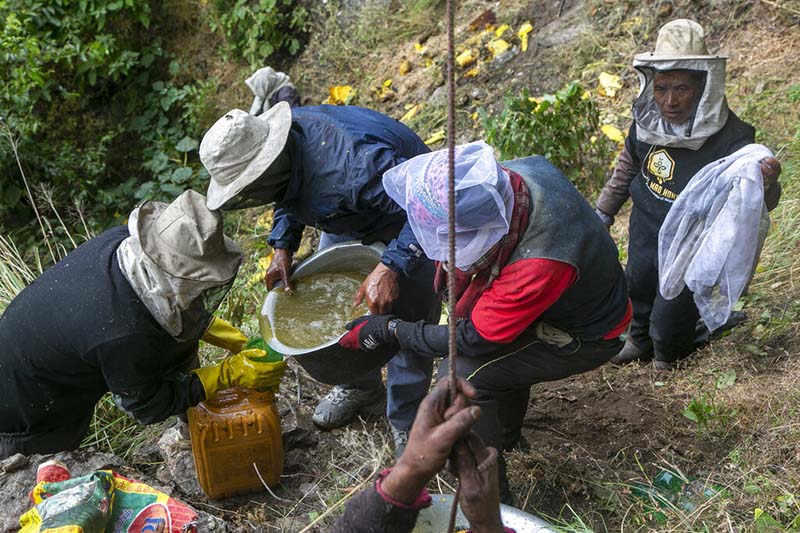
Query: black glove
{"x": 371, "y": 333}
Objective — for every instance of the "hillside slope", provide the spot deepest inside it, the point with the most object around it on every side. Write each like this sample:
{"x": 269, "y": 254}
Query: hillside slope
{"x": 599, "y": 446}
{"x": 594, "y": 440}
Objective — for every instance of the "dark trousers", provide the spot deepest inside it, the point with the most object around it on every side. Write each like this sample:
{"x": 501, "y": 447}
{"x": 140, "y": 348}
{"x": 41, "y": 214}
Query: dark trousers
{"x": 664, "y": 328}
{"x": 67, "y": 436}
{"x": 503, "y": 380}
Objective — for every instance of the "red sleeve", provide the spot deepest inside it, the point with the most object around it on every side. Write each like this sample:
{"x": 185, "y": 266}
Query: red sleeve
{"x": 519, "y": 295}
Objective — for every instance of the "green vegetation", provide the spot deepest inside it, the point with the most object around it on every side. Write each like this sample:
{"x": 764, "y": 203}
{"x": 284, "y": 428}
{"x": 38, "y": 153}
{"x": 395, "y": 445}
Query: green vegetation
{"x": 256, "y": 29}
{"x": 564, "y": 127}
{"x": 711, "y": 415}
{"x": 96, "y": 105}
{"x": 787, "y": 512}
{"x": 708, "y": 414}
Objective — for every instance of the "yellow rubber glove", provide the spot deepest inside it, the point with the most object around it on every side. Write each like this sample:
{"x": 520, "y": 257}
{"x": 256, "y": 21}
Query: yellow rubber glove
{"x": 241, "y": 370}
{"x": 223, "y": 334}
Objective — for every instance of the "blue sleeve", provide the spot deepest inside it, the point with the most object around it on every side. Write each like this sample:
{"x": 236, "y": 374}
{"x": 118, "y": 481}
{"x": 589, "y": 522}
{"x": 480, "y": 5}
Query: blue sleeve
{"x": 286, "y": 233}
{"x": 404, "y": 254}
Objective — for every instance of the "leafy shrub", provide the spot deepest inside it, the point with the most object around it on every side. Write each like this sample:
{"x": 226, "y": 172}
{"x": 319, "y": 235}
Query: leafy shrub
{"x": 563, "y": 127}
{"x": 255, "y": 29}
{"x": 169, "y": 129}
{"x": 100, "y": 111}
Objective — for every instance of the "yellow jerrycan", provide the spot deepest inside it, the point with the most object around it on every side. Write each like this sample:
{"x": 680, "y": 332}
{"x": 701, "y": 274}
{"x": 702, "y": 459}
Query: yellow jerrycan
{"x": 236, "y": 435}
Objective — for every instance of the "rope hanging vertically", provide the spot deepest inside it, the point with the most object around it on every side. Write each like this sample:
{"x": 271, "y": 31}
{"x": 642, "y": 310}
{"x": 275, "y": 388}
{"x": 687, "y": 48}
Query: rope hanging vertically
{"x": 451, "y": 200}
{"x": 451, "y": 230}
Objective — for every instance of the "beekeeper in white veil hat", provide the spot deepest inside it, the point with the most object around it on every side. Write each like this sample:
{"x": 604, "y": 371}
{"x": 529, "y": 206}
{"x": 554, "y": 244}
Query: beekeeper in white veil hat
{"x": 681, "y": 123}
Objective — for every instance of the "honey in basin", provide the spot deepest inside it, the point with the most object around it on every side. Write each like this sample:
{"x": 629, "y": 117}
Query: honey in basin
{"x": 317, "y": 312}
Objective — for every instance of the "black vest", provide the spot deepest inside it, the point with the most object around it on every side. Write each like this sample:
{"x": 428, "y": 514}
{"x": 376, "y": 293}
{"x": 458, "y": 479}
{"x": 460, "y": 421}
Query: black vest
{"x": 664, "y": 172}
{"x": 563, "y": 227}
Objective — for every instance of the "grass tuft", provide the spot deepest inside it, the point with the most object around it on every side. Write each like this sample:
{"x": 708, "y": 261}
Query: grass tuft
{"x": 15, "y": 273}
{"x": 114, "y": 432}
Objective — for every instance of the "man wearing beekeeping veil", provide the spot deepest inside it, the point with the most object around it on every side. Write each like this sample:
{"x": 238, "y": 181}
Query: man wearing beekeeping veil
{"x": 124, "y": 312}
{"x": 681, "y": 123}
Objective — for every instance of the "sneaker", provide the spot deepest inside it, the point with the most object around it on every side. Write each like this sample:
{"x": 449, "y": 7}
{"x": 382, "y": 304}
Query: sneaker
{"x": 341, "y": 405}
{"x": 630, "y": 353}
{"x": 400, "y": 441}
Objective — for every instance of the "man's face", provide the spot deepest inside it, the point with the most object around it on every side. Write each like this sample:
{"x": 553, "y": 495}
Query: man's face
{"x": 676, "y": 93}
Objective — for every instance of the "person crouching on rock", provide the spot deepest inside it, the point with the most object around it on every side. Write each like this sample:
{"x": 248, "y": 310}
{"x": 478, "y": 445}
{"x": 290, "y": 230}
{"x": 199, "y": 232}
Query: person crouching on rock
{"x": 540, "y": 293}
{"x": 123, "y": 312}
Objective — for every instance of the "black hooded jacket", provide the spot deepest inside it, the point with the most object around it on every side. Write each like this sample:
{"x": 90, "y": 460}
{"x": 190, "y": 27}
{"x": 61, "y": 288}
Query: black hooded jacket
{"x": 76, "y": 332}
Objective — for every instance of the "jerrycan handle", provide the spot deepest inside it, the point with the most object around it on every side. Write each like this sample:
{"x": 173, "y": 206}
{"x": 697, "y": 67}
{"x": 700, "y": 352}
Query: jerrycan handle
{"x": 226, "y": 397}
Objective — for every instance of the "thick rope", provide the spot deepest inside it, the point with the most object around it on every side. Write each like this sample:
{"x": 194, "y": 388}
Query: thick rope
{"x": 451, "y": 223}
{"x": 451, "y": 201}
{"x": 491, "y": 459}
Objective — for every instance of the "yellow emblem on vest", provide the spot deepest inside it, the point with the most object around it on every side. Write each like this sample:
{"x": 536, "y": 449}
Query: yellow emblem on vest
{"x": 661, "y": 166}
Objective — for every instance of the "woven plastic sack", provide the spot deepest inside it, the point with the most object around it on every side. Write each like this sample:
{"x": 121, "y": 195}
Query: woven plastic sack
{"x": 102, "y": 501}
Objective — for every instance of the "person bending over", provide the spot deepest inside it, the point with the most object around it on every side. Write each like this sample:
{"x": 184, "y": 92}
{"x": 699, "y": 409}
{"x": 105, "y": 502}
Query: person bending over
{"x": 124, "y": 312}
{"x": 540, "y": 294}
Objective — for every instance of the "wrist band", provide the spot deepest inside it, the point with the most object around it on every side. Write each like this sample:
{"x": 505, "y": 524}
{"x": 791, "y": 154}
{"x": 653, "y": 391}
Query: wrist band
{"x": 423, "y": 500}
{"x": 392, "y": 327}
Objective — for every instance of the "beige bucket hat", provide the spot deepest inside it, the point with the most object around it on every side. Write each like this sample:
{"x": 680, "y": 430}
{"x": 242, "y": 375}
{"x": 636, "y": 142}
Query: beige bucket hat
{"x": 186, "y": 239}
{"x": 679, "y": 39}
{"x": 239, "y": 147}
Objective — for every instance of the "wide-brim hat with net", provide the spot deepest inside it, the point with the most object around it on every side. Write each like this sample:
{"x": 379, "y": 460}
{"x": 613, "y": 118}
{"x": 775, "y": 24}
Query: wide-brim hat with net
{"x": 239, "y": 147}
{"x": 680, "y": 39}
{"x": 186, "y": 239}
{"x": 680, "y": 46}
